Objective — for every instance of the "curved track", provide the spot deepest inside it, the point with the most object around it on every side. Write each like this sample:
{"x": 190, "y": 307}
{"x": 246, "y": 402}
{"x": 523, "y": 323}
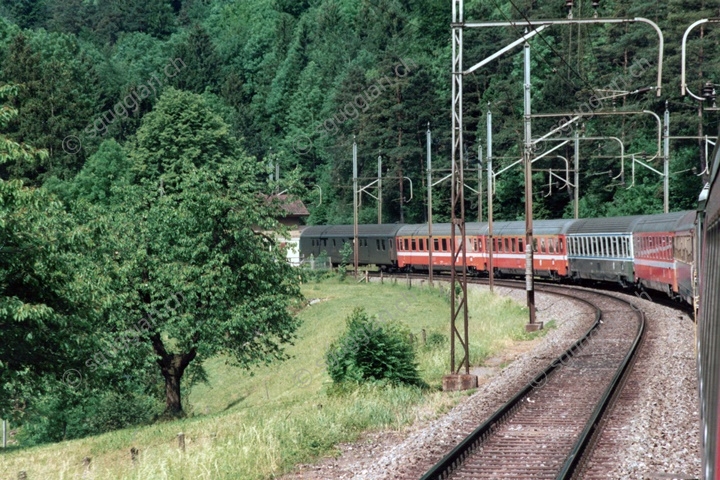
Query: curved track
{"x": 545, "y": 429}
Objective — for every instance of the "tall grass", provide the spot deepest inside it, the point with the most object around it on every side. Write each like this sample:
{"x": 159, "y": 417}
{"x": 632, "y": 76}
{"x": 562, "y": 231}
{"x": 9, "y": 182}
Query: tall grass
{"x": 244, "y": 426}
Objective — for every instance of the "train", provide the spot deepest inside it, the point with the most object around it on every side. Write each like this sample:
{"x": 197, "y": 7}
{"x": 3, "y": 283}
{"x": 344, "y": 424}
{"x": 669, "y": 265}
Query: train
{"x": 708, "y": 318}
{"x": 651, "y": 253}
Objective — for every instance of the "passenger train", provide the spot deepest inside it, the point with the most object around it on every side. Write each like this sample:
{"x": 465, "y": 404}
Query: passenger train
{"x": 648, "y": 252}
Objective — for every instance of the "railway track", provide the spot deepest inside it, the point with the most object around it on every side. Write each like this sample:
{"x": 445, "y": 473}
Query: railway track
{"x": 548, "y": 428}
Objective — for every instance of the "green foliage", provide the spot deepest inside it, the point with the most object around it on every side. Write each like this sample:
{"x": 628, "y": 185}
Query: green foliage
{"x": 188, "y": 249}
{"x": 436, "y": 339}
{"x": 50, "y": 292}
{"x": 64, "y": 415}
{"x": 369, "y": 352}
{"x": 105, "y": 170}
{"x": 346, "y": 253}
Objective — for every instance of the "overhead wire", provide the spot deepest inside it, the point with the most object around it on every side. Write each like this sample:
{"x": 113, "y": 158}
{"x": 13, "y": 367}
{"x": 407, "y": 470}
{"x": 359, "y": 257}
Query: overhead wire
{"x": 558, "y": 54}
{"x": 552, "y": 67}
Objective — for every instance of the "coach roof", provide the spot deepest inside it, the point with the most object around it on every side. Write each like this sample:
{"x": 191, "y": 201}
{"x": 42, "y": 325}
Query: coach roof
{"x": 604, "y": 225}
{"x": 347, "y": 231}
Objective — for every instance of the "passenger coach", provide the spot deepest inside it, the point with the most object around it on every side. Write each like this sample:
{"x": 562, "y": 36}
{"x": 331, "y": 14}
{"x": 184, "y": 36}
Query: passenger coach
{"x": 663, "y": 246}
{"x": 550, "y": 248}
{"x": 376, "y": 243}
{"x": 414, "y": 247}
{"x": 602, "y": 249}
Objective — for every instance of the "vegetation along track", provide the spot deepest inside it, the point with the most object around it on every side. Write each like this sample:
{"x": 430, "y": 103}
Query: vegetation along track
{"x": 546, "y": 429}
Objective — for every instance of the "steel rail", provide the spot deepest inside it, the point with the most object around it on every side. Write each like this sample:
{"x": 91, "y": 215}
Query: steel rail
{"x": 578, "y": 453}
{"x": 467, "y": 446}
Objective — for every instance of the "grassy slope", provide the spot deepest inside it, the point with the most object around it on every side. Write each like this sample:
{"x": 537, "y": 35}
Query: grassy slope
{"x": 253, "y": 426}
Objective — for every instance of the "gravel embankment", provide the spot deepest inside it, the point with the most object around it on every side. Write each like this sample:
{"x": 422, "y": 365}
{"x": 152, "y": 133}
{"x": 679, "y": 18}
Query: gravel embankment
{"x": 653, "y": 430}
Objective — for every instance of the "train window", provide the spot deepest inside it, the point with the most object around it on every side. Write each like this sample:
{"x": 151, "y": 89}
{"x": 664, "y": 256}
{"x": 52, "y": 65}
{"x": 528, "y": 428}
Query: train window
{"x": 560, "y": 248}
{"x": 513, "y": 245}
{"x": 521, "y": 242}
{"x": 377, "y": 244}
{"x": 324, "y": 242}
{"x": 407, "y": 247}
{"x": 584, "y": 246}
{"x": 543, "y": 247}
{"x": 391, "y": 243}
{"x": 382, "y": 242}
{"x": 436, "y": 244}
{"x": 605, "y": 250}
{"x": 551, "y": 245}
{"x": 444, "y": 244}
{"x": 421, "y": 244}
{"x": 413, "y": 245}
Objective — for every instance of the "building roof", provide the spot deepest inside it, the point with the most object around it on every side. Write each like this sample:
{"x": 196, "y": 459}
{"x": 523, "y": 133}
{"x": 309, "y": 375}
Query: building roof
{"x": 292, "y": 208}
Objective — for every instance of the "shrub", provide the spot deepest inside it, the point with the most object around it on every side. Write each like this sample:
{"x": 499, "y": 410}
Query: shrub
{"x": 436, "y": 340}
{"x": 371, "y": 352}
{"x": 61, "y": 416}
{"x": 346, "y": 254}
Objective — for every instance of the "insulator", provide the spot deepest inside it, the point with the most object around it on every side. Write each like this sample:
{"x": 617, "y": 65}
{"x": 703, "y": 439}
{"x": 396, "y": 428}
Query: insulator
{"x": 569, "y": 3}
{"x": 596, "y": 4}
{"x": 708, "y": 91}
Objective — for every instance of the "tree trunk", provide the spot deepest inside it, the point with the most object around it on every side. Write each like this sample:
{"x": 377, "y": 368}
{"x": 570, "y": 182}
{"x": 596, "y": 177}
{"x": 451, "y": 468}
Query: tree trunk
{"x": 172, "y": 366}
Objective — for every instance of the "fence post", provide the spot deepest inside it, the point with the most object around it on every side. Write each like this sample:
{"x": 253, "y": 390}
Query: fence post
{"x": 381, "y": 277}
{"x": 134, "y": 455}
{"x": 181, "y": 441}
{"x": 424, "y": 336}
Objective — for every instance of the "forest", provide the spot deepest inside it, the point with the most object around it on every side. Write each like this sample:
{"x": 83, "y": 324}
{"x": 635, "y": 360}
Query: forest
{"x": 137, "y": 135}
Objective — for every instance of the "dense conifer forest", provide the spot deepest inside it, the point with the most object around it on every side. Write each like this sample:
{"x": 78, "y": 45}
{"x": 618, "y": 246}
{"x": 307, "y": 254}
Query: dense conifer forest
{"x": 296, "y": 80}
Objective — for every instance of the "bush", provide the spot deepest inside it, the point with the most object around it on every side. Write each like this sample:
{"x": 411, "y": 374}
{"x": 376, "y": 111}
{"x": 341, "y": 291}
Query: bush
{"x": 65, "y": 415}
{"x": 436, "y": 340}
{"x": 346, "y": 254}
{"x": 370, "y": 352}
